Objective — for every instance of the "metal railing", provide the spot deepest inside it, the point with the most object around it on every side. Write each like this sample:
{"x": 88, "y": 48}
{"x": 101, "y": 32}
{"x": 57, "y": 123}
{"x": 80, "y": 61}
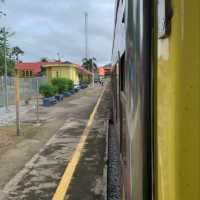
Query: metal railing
{"x": 28, "y": 89}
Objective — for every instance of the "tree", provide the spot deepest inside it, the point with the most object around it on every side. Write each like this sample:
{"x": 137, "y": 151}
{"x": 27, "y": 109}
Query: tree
{"x": 1, "y": 12}
{"x": 16, "y": 51}
{"x": 10, "y": 66}
{"x": 5, "y": 34}
{"x": 89, "y": 64}
{"x": 5, "y": 51}
{"x": 10, "y": 52}
{"x": 44, "y": 59}
{"x": 43, "y": 70}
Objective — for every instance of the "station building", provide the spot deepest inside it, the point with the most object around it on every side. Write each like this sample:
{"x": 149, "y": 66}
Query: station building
{"x": 68, "y": 70}
{"x": 28, "y": 69}
{"x": 104, "y": 71}
{"x": 71, "y": 71}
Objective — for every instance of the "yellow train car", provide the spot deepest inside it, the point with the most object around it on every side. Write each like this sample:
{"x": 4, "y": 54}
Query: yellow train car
{"x": 177, "y": 105}
{"x": 156, "y": 98}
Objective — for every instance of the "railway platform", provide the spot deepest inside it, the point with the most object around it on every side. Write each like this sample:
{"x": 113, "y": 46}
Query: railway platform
{"x": 89, "y": 181}
{"x": 72, "y": 164}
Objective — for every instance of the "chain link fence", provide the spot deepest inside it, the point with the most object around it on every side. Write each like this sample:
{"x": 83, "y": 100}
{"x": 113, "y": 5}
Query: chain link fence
{"x": 28, "y": 89}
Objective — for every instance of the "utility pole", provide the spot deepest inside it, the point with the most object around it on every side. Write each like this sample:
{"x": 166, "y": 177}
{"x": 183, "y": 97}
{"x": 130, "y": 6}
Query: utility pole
{"x": 5, "y": 70}
{"x": 5, "y": 65}
{"x": 17, "y": 91}
{"x": 86, "y": 45}
{"x": 58, "y": 55}
{"x": 86, "y": 35}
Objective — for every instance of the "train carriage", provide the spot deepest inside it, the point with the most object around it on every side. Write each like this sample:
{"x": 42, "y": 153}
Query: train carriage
{"x": 156, "y": 97}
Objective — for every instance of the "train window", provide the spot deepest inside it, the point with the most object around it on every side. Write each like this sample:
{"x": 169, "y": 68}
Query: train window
{"x": 123, "y": 18}
{"x": 165, "y": 14}
{"x": 161, "y": 18}
{"x": 122, "y": 73}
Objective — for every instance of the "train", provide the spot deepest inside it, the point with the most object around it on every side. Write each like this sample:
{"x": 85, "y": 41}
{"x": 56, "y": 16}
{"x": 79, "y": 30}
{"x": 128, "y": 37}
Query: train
{"x": 156, "y": 98}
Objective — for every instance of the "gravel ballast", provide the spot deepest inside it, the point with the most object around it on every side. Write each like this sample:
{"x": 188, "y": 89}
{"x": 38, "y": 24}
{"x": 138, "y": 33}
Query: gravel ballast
{"x": 114, "y": 175}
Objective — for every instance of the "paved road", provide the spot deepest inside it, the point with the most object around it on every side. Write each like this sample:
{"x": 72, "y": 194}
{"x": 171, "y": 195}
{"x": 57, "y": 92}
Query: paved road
{"x": 41, "y": 175}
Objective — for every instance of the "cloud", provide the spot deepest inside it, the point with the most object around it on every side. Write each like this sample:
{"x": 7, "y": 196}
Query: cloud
{"x": 46, "y": 27}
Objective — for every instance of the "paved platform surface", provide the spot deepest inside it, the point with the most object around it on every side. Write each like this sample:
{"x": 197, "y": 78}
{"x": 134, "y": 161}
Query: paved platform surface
{"x": 90, "y": 178}
{"x": 41, "y": 175}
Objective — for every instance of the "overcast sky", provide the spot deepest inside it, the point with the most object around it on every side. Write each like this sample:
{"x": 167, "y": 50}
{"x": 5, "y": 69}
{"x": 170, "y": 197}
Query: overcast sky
{"x": 44, "y": 27}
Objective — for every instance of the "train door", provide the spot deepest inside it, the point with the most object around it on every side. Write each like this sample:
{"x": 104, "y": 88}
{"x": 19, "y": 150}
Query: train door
{"x": 122, "y": 103}
{"x": 124, "y": 138}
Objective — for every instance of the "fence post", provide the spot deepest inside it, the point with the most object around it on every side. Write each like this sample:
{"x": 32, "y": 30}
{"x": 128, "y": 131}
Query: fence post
{"x": 17, "y": 94}
{"x": 2, "y": 83}
{"x": 23, "y": 87}
{"x": 37, "y": 98}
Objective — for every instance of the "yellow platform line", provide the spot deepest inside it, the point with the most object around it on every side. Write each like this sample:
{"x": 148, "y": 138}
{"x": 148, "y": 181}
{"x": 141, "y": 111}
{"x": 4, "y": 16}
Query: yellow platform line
{"x": 69, "y": 171}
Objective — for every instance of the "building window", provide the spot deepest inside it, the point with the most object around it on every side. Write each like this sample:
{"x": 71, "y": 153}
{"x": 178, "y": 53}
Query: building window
{"x": 27, "y": 73}
{"x": 57, "y": 74}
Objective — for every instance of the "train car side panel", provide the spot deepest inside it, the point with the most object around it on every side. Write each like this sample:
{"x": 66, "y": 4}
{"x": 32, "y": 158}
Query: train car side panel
{"x": 178, "y": 105}
{"x": 138, "y": 63}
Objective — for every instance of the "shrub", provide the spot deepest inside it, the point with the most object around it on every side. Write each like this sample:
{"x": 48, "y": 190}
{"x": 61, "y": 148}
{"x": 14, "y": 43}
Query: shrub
{"x": 60, "y": 83}
{"x": 48, "y": 90}
{"x": 85, "y": 82}
{"x": 63, "y": 84}
{"x": 70, "y": 84}
{"x": 88, "y": 82}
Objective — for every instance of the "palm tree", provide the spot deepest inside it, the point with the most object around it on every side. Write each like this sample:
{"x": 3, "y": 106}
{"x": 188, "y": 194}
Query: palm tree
{"x": 89, "y": 64}
{"x": 16, "y": 51}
